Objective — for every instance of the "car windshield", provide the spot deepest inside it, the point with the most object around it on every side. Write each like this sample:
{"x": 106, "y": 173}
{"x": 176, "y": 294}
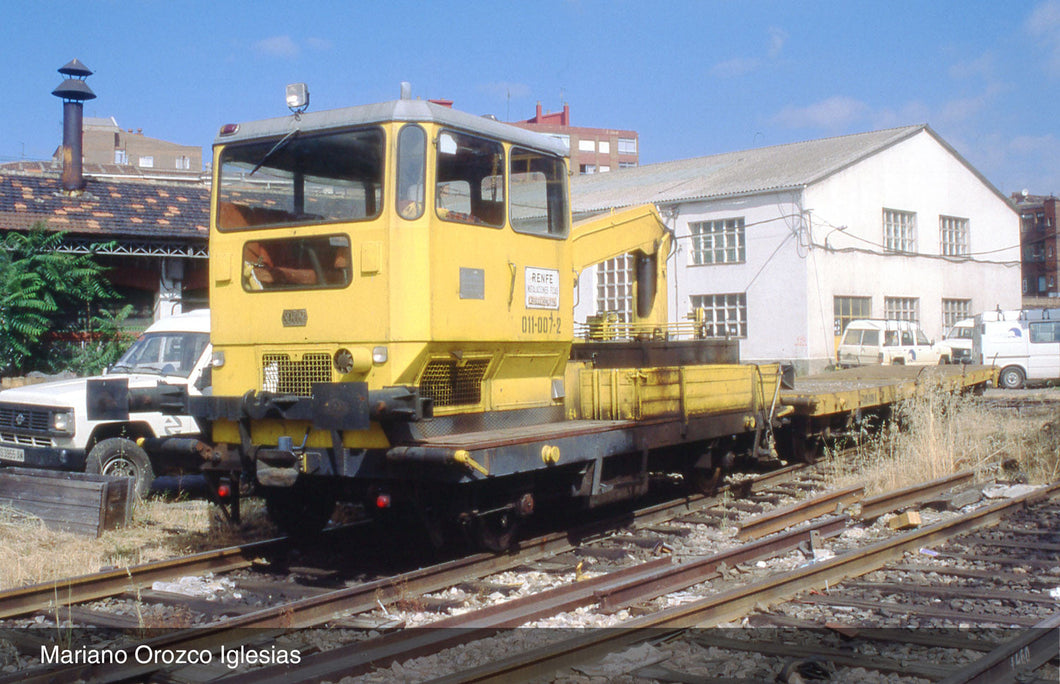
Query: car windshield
{"x": 163, "y": 353}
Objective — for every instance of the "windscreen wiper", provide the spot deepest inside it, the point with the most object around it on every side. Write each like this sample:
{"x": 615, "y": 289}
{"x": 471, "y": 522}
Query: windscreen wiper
{"x": 280, "y": 144}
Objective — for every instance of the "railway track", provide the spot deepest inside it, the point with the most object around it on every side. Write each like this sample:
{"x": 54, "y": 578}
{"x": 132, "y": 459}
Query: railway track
{"x": 332, "y": 606}
{"x": 830, "y": 638}
{"x": 620, "y": 594}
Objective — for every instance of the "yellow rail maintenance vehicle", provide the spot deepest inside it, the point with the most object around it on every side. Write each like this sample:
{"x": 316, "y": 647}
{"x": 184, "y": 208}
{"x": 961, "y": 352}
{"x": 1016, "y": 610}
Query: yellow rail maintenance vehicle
{"x": 392, "y": 294}
{"x": 392, "y": 287}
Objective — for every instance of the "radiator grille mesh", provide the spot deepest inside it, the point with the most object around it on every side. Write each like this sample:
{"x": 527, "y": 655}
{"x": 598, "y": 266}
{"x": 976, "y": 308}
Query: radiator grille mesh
{"x": 449, "y": 383}
{"x": 282, "y": 375}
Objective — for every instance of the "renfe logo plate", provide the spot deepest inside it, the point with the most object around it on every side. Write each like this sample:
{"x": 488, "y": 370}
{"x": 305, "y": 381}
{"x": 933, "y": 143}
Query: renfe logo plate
{"x": 294, "y": 318}
{"x": 542, "y": 288}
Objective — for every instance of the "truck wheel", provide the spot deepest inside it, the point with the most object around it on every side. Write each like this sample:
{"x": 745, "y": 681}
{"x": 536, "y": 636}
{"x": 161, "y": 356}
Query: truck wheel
{"x": 122, "y": 458}
{"x": 1011, "y": 377}
{"x": 300, "y": 511}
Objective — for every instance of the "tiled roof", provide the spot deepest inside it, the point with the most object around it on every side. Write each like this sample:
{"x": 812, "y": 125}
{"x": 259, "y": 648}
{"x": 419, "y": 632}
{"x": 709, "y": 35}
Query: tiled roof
{"x": 108, "y": 208}
{"x": 745, "y": 172}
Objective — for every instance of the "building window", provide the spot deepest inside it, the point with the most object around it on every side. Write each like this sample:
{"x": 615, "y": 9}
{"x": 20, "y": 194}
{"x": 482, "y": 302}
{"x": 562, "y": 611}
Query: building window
{"x": 1041, "y": 283}
{"x": 724, "y": 315}
{"x": 147, "y": 162}
{"x": 614, "y": 287}
{"x": 1052, "y": 282}
{"x": 953, "y": 236}
{"x": 718, "y": 242}
{"x": 627, "y": 145}
{"x": 847, "y": 309}
{"x": 586, "y": 145}
{"x": 605, "y": 169}
{"x": 587, "y": 168}
{"x": 121, "y": 157}
{"x": 901, "y": 309}
{"x": 604, "y": 147}
{"x": 954, "y": 310}
{"x": 899, "y": 230}
{"x": 1024, "y": 286}
{"x": 183, "y": 163}
{"x": 626, "y": 164}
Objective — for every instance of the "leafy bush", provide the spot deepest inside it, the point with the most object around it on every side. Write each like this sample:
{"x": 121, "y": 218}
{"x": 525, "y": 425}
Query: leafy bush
{"x": 43, "y": 290}
{"x": 89, "y": 353}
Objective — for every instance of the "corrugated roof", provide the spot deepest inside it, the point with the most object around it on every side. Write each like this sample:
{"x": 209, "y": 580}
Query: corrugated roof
{"x": 110, "y": 209}
{"x": 746, "y": 172}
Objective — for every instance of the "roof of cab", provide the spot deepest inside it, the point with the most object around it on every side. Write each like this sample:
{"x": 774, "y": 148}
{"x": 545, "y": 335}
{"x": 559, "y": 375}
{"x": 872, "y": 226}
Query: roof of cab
{"x": 193, "y": 321}
{"x": 395, "y": 110}
{"x": 881, "y": 324}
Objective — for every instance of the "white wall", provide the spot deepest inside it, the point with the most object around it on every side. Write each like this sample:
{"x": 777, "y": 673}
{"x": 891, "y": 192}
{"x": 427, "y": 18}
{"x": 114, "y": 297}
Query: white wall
{"x": 919, "y": 175}
{"x": 773, "y": 279}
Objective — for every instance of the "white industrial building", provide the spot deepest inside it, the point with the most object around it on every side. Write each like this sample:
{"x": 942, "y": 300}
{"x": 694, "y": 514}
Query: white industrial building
{"x": 784, "y": 245}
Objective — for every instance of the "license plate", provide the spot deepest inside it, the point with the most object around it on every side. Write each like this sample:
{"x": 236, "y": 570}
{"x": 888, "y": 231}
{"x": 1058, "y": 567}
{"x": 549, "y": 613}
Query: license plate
{"x": 9, "y": 454}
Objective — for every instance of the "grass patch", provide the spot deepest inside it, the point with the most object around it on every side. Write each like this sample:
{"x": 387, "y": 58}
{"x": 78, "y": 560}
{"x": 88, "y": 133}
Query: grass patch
{"x": 939, "y": 434}
{"x": 30, "y": 553}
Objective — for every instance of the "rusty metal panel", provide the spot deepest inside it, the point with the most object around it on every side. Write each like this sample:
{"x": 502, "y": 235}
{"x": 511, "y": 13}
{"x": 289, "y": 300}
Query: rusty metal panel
{"x": 685, "y": 391}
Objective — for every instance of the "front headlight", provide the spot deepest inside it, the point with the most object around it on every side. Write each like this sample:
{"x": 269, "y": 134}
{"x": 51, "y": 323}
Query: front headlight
{"x": 63, "y": 421}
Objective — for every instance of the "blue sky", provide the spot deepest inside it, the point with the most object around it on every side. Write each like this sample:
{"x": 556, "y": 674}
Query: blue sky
{"x": 693, "y": 78}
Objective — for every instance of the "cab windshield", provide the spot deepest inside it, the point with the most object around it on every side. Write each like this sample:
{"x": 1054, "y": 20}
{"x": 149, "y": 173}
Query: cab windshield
{"x": 301, "y": 179}
{"x": 163, "y": 353}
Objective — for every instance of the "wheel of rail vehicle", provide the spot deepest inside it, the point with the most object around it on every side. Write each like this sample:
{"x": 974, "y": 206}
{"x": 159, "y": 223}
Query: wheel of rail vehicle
{"x": 1011, "y": 377}
{"x": 300, "y": 511}
{"x": 122, "y": 457}
{"x": 497, "y": 531}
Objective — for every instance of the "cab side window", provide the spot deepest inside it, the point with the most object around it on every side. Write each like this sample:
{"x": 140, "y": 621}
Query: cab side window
{"x": 538, "y": 186}
{"x": 470, "y": 180}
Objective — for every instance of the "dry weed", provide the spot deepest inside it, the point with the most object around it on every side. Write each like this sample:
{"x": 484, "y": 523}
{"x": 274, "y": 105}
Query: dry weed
{"x": 30, "y": 553}
{"x": 939, "y": 434}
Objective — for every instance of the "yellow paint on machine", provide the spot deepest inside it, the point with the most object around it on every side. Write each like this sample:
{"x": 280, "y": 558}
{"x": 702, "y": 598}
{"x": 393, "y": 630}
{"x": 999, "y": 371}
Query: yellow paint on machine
{"x": 645, "y": 393}
{"x": 868, "y": 387}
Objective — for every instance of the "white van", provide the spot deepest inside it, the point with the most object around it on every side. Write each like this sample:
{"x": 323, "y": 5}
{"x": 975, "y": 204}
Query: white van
{"x": 1024, "y": 344}
{"x": 872, "y": 341}
{"x": 959, "y": 340}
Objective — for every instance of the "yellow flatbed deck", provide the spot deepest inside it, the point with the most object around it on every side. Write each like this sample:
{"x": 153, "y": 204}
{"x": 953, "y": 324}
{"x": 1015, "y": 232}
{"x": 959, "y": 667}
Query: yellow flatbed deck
{"x": 874, "y": 386}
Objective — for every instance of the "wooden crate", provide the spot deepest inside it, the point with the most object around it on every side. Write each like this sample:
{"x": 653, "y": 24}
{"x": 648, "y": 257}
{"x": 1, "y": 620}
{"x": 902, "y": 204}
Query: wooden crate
{"x": 74, "y": 502}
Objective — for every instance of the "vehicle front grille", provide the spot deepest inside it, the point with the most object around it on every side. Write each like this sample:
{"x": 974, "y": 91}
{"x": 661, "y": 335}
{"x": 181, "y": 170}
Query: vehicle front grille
{"x": 20, "y": 417}
{"x": 450, "y": 383}
{"x": 281, "y": 375}
{"x": 15, "y": 439}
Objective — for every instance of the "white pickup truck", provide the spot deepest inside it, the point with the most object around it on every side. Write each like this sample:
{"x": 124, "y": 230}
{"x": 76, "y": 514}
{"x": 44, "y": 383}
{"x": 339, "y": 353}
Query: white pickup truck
{"x": 47, "y": 426}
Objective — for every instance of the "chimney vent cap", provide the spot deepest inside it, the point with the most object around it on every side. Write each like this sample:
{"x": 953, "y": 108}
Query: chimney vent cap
{"x": 75, "y": 68}
{"x": 73, "y": 89}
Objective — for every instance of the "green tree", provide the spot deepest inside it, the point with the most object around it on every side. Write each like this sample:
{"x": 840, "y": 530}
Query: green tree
{"x": 40, "y": 287}
{"x": 89, "y": 353}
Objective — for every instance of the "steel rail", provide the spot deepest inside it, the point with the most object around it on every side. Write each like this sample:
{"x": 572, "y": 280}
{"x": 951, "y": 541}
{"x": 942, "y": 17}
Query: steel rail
{"x": 875, "y": 506}
{"x": 786, "y": 516}
{"x": 735, "y": 603}
{"x": 48, "y": 596}
{"x": 1013, "y": 659}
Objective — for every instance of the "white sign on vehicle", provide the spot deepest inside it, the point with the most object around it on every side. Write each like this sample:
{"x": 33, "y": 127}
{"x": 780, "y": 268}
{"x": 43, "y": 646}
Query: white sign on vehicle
{"x": 542, "y": 288}
{"x": 9, "y": 454}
